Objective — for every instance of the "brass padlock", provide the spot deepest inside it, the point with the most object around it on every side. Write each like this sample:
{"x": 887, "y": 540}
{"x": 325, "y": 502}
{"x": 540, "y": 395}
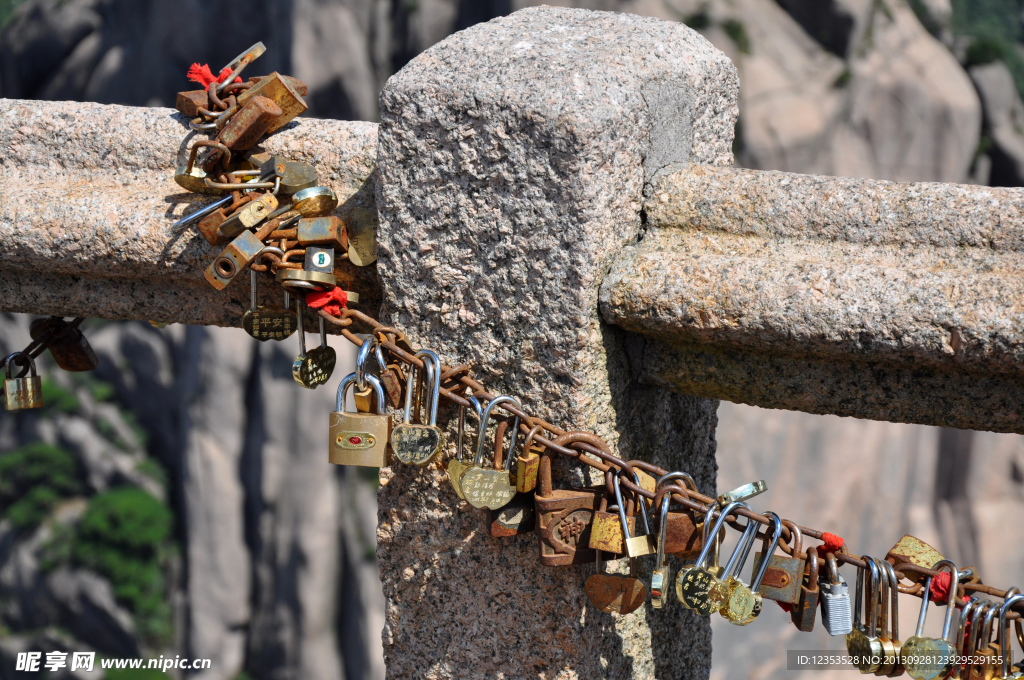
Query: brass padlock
{"x": 564, "y": 516}
{"x": 360, "y": 438}
{"x": 417, "y": 444}
{"x": 456, "y": 466}
{"x": 25, "y": 391}
{"x": 315, "y": 367}
{"x": 68, "y": 346}
{"x": 932, "y": 658}
{"x": 528, "y": 464}
{"x": 636, "y": 546}
{"x": 486, "y": 487}
{"x": 698, "y": 586}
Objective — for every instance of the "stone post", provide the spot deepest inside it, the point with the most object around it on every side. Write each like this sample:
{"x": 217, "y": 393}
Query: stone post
{"x": 513, "y": 160}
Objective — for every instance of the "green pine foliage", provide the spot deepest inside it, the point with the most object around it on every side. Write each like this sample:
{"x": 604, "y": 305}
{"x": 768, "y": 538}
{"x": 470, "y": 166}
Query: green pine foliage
{"x": 123, "y": 536}
{"x": 996, "y": 31}
{"x": 33, "y": 479}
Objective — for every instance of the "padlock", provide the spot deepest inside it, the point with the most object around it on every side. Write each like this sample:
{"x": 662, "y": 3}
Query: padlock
{"x": 313, "y": 368}
{"x": 360, "y": 438}
{"x": 25, "y": 391}
{"x": 661, "y": 577}
{"x": 836, "y": 612}
{"x": 636, "y": 546}
{"x": 246, "y": 217}
{"x": 988, "y": 650}
{"x": 322, "y": 231}
{"x": 369, "y": 348}
{"x": 784, "y": 576}
{"x": 912, "y": 550}
{"x": 314, "y": 275}
{"x": 263, "y": 324}
{"x": 606, "y": 532}
{"x": 67, "y": 345}
{"x": 743, "y": 603}
{"x": 890, "y": 636}
{"x": 564, "y": 516}
{"x": 188, "y": 103}
{"x": 457, "y": 466}
{"x": 233, "y": 260}
{"x": 315, "y": 202}
{"x": 320, "y": 260}
{"x": 863, "y": 643}
{"x": 683, "y": 537}
{"x": 517, "y": 516}
{"x": 1008, "y": 672}
{"x": 528, "y": 464}
{"x": 209, "y": 227}
{"x": 297, "y": 176}
{"x": 932, "y": 658}
{"x": 698, "y": 587}
{"x": 743, "y": 493}
{"x": 485, "y": 487}
{"x": 805, "y": 609}
{"x": 254, "y": 119}
{"x": 967, "y": 617}
{"x": 417, "y": 444}
{"x": 295, "y": 83}
{"x": 281, "y": 93}
{"x": 361, "y": 231}
{"x": 612, "y": 593}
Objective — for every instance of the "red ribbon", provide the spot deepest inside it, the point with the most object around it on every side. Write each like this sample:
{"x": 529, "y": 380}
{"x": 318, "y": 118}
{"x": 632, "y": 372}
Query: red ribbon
{"x": 331, "y": 301}
{"x": 939, "y": 589}
{"x": 204, "y": 76}
{"x": 832, "y": 544}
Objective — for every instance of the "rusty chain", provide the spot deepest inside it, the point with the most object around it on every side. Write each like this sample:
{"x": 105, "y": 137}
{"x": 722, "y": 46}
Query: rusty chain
{"x": 460, "y": 374}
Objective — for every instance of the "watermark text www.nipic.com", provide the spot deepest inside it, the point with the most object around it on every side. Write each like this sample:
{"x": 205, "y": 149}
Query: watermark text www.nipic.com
{"x": 86, "y": 661}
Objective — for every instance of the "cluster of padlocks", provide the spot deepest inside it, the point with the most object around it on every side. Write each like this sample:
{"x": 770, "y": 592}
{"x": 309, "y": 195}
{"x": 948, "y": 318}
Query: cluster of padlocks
{"x": 273, "y": 210}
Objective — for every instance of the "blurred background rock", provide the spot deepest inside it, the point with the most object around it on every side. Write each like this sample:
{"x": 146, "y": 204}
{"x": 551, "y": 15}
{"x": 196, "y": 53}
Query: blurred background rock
{"x": 177, "y": 500}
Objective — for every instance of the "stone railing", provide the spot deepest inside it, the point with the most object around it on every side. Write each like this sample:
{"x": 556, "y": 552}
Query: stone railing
{"x": 556, "y": 206}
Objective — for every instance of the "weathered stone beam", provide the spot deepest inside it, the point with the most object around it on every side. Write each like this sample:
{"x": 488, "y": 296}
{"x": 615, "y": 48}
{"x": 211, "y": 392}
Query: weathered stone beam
{"x": 863, "y": 298}
{"x": 87, "y": 200}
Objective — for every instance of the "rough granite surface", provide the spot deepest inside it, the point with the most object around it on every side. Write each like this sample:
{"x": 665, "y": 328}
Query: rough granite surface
{"x": 865, "y": 298}
{"x": 87, "y": 200}
{"x": 512, "y": 164}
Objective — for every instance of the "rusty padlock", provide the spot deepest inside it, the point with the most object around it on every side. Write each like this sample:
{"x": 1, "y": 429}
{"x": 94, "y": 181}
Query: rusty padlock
{"x": 233, "y": 260}
{"x": 606, "y": 533}
{"x": 684, "y": 533}
{"x": 806, "y": 607}
{"x": 68, "y": 346}
{"x": 282, "y": 91}
{"x": 784, "y": 576}
{"x": 565, "y": 516}
{"x": 251, "y": 122}
{"x": 528, "y": 463}
{"x": 913, "y": 550}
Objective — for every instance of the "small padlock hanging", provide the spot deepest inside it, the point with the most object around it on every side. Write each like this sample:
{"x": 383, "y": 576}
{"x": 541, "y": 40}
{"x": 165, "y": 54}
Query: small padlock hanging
{"x": 360, "y": 438}
{"x": 314, "y": 367}
{"x": 25, "y": 391}
{"x": 612, "y": 593}
{"x": 417, "y": 444}
{"x": 487, "y": 487}
{"x": 836, "y": 614}
{"x": 266, "y": 325}
{"x": 456, "y": 466}
{"x": 67, "y": 344}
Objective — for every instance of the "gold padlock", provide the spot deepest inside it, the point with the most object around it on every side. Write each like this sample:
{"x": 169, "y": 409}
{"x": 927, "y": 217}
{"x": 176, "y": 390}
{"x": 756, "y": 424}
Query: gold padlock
{"x": 360, "y": 438}
{"x": 528, "y": 464}
{"x": 26, "y": 391}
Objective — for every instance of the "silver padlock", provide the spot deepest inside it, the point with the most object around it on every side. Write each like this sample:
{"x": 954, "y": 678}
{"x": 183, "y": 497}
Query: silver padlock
{"x": 836, "y": 613}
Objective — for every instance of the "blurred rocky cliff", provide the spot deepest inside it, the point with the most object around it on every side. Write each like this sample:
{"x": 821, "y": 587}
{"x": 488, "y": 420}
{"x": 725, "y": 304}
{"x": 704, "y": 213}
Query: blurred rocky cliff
{"x": 266, "y": 561}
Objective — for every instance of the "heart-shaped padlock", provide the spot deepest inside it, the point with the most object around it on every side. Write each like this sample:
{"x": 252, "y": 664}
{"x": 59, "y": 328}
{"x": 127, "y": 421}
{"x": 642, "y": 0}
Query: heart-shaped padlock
{"x": 314, "y": 367}
{"x": 485, "y": 488}
{"x": 456, "y": 466}
{"x": 416, "y": 444}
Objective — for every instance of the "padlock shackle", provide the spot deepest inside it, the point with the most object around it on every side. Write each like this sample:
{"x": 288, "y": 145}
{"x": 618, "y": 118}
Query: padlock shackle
{"x": 478, "y": 409}
{"x": 672, "y": 476}
{"x": 738, "y": 557}
{"x": 663, "y": 529}
{"x": 478, "y": 460}
{"x": 755, "y": 583}
{"x": 434, "y": 376}
{"x": 1004, "y": 632}
{"x": 965, "y": 618}
{"x": 954, "y": 585}
{"x": 507, "y": 467}
{"x": 709, "y": 516}
{"x": 894, "y": 601}
{"x": 621, "y": 504}
{"x": 16, "y": 358}
{"x": 874, "y": 586}
{"x": 362, "y": 356}
{"x": 350, "y": 379}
